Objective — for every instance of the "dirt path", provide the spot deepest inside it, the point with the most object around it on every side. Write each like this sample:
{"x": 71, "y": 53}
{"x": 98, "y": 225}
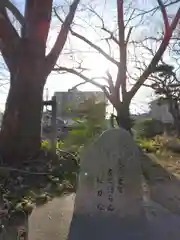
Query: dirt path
{"x": 52, "y": 220}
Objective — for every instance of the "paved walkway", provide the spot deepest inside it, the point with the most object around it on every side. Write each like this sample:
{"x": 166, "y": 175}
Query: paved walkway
{"x": 52, "y": 221}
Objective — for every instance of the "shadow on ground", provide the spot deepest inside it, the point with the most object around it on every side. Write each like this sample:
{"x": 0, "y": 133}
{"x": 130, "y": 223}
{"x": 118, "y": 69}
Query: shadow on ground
{"x": 53, "y": 219}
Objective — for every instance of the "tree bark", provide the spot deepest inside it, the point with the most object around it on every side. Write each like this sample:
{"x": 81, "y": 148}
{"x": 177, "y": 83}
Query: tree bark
{"x": 26, "y": 58}
{"x": 21, "y": 125}
{"x": 176, "y": 117}
{"x": 123, "y": 116}
{"x": 174, "y": 110}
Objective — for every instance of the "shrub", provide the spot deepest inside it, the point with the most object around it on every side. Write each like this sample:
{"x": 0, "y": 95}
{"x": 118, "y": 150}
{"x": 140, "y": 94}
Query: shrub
{"x": 148, "y": 128}
{"x": 148, "y": 145}
{"x": 89, "y": 124}
{"x": 45, "y": 144}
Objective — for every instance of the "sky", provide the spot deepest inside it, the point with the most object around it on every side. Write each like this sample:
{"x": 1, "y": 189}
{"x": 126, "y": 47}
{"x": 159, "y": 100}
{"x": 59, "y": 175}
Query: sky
{"x": 63, "y": 82}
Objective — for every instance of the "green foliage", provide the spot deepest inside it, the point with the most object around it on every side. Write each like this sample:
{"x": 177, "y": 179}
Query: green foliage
{"x": 60, "y": 145}
{"x": 149, "y": 145}
{"x": 45, "y": 145}
{"x": 148, "y": 128}
{"x": 88, "y": 126}
{"x": 160, "y": 144}
{"x": 164, "y": 70}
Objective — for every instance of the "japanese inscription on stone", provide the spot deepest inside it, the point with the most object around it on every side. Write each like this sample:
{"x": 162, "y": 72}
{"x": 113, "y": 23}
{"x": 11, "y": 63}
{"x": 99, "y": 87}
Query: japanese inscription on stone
{"x": 108, "y": 176}
{"x": 110, "y": 188}
{"x": 109, "y": 191}
{"x": 109, "y": 194}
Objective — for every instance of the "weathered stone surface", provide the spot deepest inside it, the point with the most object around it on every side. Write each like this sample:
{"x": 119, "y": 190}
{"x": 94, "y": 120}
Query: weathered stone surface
{"x": 111, "y": 176}
{"x": 52, "y": 220}
{"x": 108, "y": 203}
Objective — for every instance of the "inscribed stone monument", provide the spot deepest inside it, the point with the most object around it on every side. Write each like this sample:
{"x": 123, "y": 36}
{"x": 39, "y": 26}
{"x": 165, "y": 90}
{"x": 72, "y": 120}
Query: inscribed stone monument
{"x": 116, "y": 198}
{"x": 108, "y": 203}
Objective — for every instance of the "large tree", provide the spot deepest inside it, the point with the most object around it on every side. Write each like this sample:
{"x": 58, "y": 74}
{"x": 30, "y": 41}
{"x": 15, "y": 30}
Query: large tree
{"x": 29, "y": 66}
{"x": 166, "y": 85}
{"x": 117, "y": 89}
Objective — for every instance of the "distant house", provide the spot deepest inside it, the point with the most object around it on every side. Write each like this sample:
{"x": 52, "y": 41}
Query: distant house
{"x": 160, "y": 111}
{"x": 73, "y": 100}
{"x": 68, "y": 100}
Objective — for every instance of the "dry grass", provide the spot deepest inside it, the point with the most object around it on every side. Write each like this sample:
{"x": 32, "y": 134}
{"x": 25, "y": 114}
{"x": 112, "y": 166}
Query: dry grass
{"x": 168, "y": 160}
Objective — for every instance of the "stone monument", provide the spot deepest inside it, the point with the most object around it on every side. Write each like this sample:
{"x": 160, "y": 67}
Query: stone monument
{"x": 122, "y": 194}
{"x": 108, "y": 203}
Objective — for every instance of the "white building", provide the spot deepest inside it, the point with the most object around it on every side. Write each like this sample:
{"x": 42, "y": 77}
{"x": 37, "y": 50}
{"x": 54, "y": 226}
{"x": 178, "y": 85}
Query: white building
{"x": 160, "y": 111}
{"x": 72, "y": 100}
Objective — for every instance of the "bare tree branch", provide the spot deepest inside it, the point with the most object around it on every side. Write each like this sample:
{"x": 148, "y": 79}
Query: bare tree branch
{"x": 110, "y": 83}
{"x": 153, "y": 10}
{"x": 97, "y": 48}
{"x": 77, "y": 85}
{"x": 157, "y": 56}
{"x": 130, "y": 18}
{"x": 61, "y": 39}
{"x": 90, "y": 43}
{"x": 105, "y": 28}
{"x": 111, "y": 35}
{"x": 9, "y": 39}
{"x": 79, "y": 74}
{"x": 122, "y": 67}
{"x": 165, "y": 17}
{"x": 88, "y": 80}
{"x": 175, "y": 21}
{"x": 117, "y": 92}
{"x": 128, "y": 35}
{"x": 14, "y": 11}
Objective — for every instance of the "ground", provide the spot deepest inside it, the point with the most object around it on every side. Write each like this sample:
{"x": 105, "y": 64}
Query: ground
{"x": 36, "y": 182}
{"x": 168, "y": 160}
{"x": 52, "y": 220}
{"x": 57, "y": 214}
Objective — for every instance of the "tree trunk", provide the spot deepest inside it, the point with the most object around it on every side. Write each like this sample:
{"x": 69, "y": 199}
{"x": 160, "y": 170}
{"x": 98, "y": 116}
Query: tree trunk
{"x": 21, "y": 125}
{"x": 177, "y": 118}
{"x": 123, "y": 117}
{"x": 174, "y": 110}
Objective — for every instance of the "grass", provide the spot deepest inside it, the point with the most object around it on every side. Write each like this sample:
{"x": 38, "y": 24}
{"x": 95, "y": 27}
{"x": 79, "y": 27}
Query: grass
{"x": 168, "y": 160}
{"x": 156, "y": 149}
